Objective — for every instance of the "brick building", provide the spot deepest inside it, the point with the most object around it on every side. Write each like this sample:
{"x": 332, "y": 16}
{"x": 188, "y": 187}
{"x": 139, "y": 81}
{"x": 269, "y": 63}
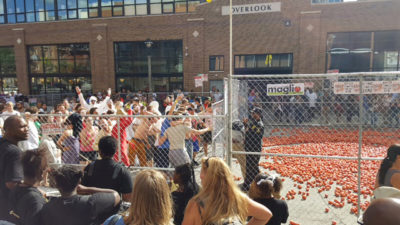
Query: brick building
{"x": 51, "y": 46}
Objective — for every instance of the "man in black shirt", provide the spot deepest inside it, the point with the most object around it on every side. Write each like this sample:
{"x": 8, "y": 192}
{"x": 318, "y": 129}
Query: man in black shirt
{"x": 78, "y": 205}
{"x": 106, "y": 173}
{"x": 253, "y": 143}
{"x": 15, "y": 130}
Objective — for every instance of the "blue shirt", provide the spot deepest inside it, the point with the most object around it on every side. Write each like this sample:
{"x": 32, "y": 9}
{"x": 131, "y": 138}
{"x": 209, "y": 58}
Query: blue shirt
{"x": 119, "y": 222}
{"x": 165, "y": 125}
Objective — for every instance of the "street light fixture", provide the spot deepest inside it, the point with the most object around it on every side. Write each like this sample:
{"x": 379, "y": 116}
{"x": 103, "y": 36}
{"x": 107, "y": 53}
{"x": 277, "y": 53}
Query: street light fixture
{"x": 149, "y": 43}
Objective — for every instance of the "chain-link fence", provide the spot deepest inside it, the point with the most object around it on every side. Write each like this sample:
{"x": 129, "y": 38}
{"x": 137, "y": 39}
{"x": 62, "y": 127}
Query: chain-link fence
{"x": 321, "y": 134}
{"x": 147, "y": 140}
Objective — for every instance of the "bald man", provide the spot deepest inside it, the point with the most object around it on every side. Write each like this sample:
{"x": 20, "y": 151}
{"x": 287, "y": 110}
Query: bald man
{"x": 15, "y": 130}
{"x": 384, "y": 211}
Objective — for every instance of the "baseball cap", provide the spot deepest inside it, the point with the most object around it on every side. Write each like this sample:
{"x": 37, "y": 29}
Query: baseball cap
{"x": 257, "y": 110}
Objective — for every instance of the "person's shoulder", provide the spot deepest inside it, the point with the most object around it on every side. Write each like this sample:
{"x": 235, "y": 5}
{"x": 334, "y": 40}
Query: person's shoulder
{"x": 9, "y": 147}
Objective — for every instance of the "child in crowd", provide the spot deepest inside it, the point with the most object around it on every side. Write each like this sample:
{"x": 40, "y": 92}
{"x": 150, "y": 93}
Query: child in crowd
{"x": 184, "y": 178}
{"x": 265, "y": 190}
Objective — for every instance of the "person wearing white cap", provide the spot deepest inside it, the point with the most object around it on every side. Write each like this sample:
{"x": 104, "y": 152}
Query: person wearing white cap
{"x": 102, "y": 106}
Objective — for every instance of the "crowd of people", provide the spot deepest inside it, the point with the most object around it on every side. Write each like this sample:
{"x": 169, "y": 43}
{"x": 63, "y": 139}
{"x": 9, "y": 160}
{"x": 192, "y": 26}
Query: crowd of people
{"x": 93, "y": 131}
{"x": 94, "y": 195}
{"x": 326, "y": 107}
{"x": 140, "y": 123}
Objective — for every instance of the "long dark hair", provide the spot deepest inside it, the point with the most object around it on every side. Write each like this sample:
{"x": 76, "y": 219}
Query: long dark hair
{"x": 392, "y": 153}
{"x": 76, "y": 121}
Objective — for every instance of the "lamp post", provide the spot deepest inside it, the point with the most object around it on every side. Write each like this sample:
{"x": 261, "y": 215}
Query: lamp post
{"x": 149, "y": 44}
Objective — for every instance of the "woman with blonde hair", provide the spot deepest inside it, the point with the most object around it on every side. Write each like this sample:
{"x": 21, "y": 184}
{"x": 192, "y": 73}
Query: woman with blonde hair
{"x": 150, "y": 202}
{"x": 220, "y": 201}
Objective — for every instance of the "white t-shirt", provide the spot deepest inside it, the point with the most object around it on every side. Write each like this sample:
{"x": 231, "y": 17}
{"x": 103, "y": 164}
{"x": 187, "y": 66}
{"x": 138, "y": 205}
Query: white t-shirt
{"x": 176, "y": 136}
{"x": 7, "y": 114}
{"x": 312, "y": 97}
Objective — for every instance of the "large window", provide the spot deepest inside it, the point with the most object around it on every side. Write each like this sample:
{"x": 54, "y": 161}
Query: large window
{"x": 264, "y": 64}
{"x": 356, "y": 52}
{"x": 59, "y": 68}
{"x": 131, "y": 65}
{"x": 332, "y": 1}
{"x": 8, "y": 79}
{"x": 22, "y": 11}
{"x": 216, "y": 63}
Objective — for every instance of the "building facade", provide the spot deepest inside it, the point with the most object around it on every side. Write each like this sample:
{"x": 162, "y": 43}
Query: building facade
{"x": 50, "y": 46}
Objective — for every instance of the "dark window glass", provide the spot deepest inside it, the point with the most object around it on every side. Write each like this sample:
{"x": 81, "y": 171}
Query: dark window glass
{"x": 20, "y": 7}
{"x": 51, "y": 65}
{"x": 62, "y": 4}
{"x": 387, "y": 40}
{"x": 11, "y": 18}
{"x": 49, "y": 4}
{"x": 39, "y": 4}
{"x": 65, "y": 52}
{"x": 62, "y": 14}
{"x": 1, "y": 19}
{"x": 72, "y": 14}
{"x": 71, "y": 4}
{"x": 10, "y": 6}
{"x": 67, "y": 66}
{"x": 20, "y": 18}
{"x": 7, "y": 61}
{"x": 29, "y": 7}
{"x": 216, "y": 63}
{"x": 30, "y": 17}
{"x": 50, "y": 15}
{"x": 166, "y": 57}
{"x": 36, "y": 66}
{"x": 66, "y": 59}
{"x": 349, "y": 52}
{"x": 1, "y": 7}
{"x": 50, "y": 52}
{"x": 263, "y": 64}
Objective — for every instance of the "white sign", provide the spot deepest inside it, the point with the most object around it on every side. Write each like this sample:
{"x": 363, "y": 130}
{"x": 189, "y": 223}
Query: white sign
{"x": 285, "y": 89}
{"x": 51, "y": 129}
{"x": 368, "y": 87}
{"x": 252, "y": 8}
{"x": 198, "y": 81}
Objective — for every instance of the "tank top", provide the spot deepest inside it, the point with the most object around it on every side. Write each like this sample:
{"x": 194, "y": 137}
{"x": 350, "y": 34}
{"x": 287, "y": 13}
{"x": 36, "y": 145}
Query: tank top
{"x": 388, "y": 177}
{"x": 228, "y": 221}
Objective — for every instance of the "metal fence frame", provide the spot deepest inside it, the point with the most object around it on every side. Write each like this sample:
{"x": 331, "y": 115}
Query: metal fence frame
{"x": 359, "y": 158}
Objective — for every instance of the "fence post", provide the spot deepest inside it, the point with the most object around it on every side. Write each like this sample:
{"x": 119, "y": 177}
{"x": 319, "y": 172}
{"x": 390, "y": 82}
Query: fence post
{"x": 229, "y": 117}
{"x": 119, "y": 139}
{"x": 360, "y": 140}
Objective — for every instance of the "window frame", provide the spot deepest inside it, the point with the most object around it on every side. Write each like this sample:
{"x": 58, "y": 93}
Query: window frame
{"x": 219, "y": 69}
